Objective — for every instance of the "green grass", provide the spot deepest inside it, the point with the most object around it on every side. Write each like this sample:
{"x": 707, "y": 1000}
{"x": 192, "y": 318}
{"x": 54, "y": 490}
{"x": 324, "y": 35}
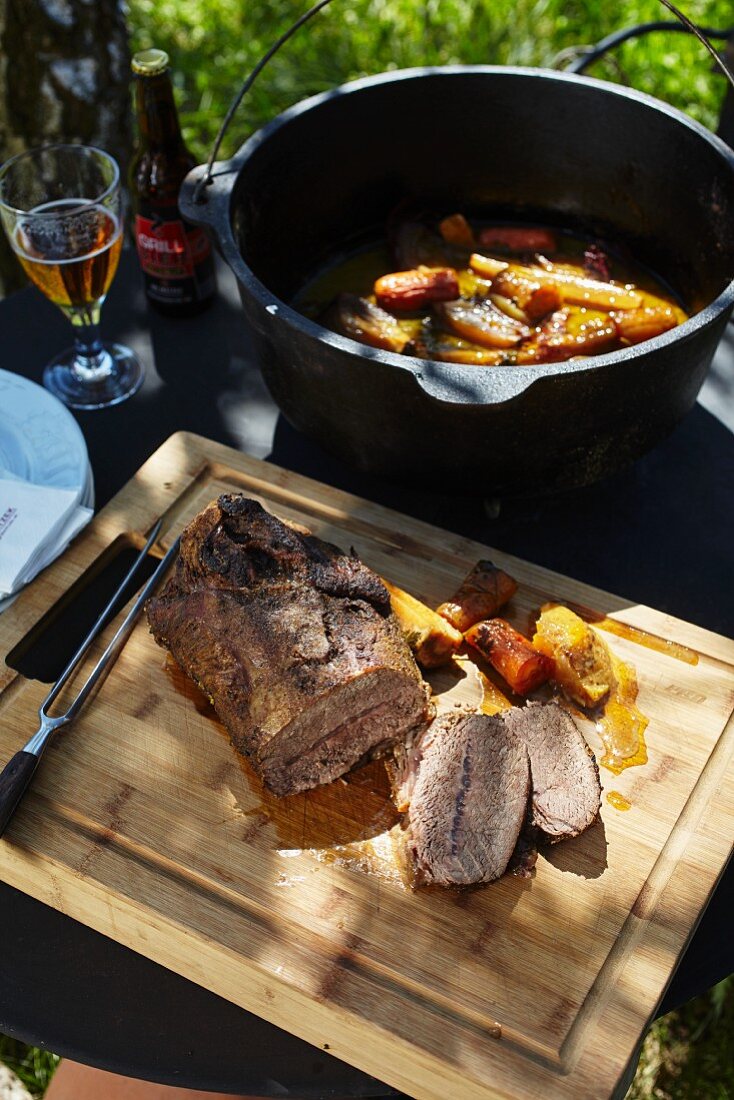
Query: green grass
{"x": 214, "y": 43}
{"x": 34, "y": 1067}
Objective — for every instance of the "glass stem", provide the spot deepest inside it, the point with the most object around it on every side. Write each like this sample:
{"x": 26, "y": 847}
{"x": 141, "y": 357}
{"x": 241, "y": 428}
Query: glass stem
{"x": 92, "y": 362}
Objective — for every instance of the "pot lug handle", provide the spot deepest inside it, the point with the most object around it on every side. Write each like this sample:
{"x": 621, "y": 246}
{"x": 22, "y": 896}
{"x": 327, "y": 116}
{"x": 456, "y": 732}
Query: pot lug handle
{"x": 217, "y": 180}
{"x": 451, "y": 384}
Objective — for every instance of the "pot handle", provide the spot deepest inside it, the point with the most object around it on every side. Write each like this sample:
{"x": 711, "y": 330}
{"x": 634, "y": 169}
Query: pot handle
{"x": 457, "y": 385}
{"x": 206, "y": 179}
{"x": 198, "y": 194}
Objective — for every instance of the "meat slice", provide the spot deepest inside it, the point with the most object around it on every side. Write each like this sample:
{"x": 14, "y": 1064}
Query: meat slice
{"x": 468, "y": 799}
{"x": 566, "y": 793}
{"x": 293, "y": 641}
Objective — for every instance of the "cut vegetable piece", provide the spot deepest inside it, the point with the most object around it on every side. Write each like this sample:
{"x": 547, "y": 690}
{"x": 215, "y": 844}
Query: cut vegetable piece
{"x": 510, "y": 307}
{"x": 518, "y": 238}
{"x": 511, "y": 654}
{"x": 363, "y": 321}
{"x": 432, "y": 640}
{"x": 482, "y": 323}
{"x": 576, "y": 331}
{"x": 574, "y": 286}
{"x": 533, "y": 295}
{"x": 481, "y": 594}
{"x": 408, "y": 290}
{"x": 487, "y": 266}
{"x": 583, "y": 664}
{"x": 456, "y": 230}
{"x": 636, "y": 325}
{"x": 451, "y": 349}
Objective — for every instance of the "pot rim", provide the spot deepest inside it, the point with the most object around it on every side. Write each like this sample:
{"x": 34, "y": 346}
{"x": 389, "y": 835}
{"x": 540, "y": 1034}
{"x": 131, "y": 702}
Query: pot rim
{"x": 436, "y": 377}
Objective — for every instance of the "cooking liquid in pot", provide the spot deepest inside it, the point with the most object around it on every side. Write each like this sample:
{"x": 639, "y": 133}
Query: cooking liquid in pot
{"x": 490, "y": 296}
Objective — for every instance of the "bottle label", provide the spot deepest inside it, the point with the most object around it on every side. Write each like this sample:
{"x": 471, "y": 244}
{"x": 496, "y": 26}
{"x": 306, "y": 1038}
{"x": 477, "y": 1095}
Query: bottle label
{"x": 169, "y": 249}
{"x": 175, "y": 256}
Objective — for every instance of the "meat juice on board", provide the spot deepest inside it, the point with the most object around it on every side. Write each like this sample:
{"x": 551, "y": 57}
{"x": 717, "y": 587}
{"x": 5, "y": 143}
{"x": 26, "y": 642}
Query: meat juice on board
{"x": 176, "y": 257}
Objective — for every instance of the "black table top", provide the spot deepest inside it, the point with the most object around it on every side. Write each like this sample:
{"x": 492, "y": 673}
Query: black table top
{"x": 660, "y": 533}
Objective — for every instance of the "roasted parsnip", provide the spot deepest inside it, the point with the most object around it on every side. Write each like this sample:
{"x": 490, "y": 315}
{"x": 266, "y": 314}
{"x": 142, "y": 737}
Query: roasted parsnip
{"x": 432, "y": 640}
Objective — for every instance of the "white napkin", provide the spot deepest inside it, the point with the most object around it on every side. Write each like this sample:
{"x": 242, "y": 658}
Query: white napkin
{"x": 37, "y": 522}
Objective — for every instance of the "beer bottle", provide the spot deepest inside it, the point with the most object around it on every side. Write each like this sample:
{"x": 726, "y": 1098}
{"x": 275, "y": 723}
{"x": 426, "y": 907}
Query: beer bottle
{"x": 176, "y": 257}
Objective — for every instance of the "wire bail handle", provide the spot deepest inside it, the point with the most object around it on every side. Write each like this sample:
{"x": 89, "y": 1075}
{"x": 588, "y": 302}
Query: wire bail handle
{"x": 206, "y": 178}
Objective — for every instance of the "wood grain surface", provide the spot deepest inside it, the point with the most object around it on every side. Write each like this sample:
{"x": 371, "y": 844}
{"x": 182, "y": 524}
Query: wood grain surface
{"x": 143, "y": 823}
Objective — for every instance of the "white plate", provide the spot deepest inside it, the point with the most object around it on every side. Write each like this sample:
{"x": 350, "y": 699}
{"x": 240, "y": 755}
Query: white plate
{"x": 40, "y": 440}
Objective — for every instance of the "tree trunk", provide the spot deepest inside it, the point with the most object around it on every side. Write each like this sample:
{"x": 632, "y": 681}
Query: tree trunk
{"x": 64, "y": 76}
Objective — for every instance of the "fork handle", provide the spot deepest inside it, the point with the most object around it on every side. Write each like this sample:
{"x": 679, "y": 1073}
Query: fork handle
{"x": 14, "y": 778}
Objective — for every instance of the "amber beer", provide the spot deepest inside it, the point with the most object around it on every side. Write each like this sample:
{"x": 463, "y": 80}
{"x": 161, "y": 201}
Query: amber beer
{"x": 70, "y": 252}
{"x": 175, "y": 256}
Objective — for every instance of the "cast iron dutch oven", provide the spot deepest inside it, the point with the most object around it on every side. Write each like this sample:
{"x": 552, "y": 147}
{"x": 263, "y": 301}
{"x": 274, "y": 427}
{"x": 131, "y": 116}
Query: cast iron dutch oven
{"x": 516, "y": 143}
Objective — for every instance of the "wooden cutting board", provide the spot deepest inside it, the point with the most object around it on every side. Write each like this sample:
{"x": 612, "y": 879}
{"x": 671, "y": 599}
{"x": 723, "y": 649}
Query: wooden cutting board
{"x": 144, "y": 824}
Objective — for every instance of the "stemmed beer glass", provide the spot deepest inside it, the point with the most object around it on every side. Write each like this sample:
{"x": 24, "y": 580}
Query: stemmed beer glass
{"x": 61, "y": 209}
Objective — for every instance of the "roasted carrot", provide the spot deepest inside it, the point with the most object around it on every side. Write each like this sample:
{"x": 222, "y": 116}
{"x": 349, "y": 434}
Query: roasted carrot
{"x": 433, "y": 640}
{"x": 510, "y": 654}
{"x": 518, "y": 238}
{"x": 407, "y": 290}
{"x": 481, "y": 594}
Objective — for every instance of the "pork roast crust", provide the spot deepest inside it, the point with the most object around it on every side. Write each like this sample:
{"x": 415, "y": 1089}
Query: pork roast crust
{"x": 468, "y": 800}
{"x": 293, "y": 641}
{"x": 566, "y": 792}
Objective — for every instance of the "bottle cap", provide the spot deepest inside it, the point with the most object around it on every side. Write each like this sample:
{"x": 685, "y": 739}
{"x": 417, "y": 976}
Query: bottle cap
{"x": 150, "y": 62}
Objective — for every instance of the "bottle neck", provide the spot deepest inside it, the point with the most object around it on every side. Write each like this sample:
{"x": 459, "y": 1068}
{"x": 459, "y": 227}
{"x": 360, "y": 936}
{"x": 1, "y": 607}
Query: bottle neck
{"x": 158, "y": 123}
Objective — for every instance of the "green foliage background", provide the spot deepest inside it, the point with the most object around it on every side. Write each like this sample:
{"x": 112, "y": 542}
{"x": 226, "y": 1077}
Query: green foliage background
{"x": 214, "y": 43}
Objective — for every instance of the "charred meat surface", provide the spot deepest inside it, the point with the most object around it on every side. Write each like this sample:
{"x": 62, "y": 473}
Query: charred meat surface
{"x": 566, "y": 793}
{"x": 294, "y": 642}
{"x": 467, "y": 794}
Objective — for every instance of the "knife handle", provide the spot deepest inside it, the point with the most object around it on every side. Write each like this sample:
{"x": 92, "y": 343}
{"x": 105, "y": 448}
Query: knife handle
{"x": 14, "y": 778}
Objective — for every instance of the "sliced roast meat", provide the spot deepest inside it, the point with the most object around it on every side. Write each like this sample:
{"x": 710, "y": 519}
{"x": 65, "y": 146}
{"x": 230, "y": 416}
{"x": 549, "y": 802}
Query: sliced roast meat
{"x": 566, "y": 793}
{"x": 468, "y": 798}
{"x": 293, "y": 641}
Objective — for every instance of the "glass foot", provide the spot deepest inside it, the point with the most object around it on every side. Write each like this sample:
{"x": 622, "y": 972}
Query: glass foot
{"x": 118, "y": 379}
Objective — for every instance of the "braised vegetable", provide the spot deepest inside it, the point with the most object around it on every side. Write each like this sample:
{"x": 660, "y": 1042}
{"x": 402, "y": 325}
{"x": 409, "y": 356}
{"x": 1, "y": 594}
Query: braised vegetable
{"x": 403, "y": 291}
{"x": 541, "y": 297}
{"x": 574, "y": 331}
{"x": 456, "y": 230}
{"x": 481, "y": 594}
{"x": 518, "y": 238}
{"x": 636, "y": 325}
{"x": 433, "y": 640}
{"x": 366, "y": 322}
{"x": 482, "y": 323}
{"x": 510, "y": 654}
{"x": 446, "y": 348}
{"x": 582, "y": 664}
